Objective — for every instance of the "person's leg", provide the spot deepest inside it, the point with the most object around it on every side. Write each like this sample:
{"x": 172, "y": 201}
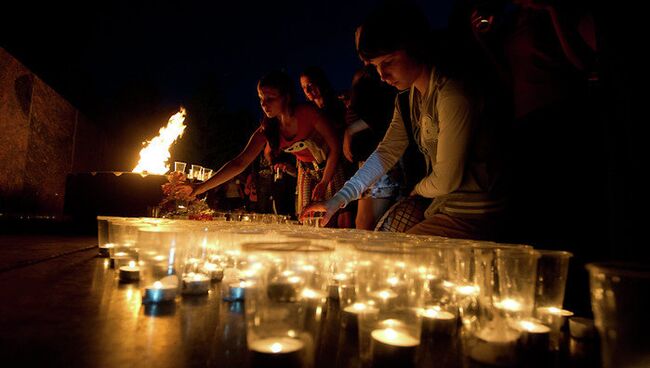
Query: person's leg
{"x": 442, "y": 224}
{"x": 369, "y": 211}
{"x": 404, "y": 214}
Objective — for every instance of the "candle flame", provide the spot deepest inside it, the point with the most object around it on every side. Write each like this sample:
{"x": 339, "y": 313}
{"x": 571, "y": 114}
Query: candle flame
{"x": 276, "y": 347}
{"x": 359, "y": 306}
{"x": 393, "y": 280}
{"x": 158, "y": 285}
{"x": 132, "y": 264}
{"x": 154, "y": 156}
{"x": 509, "y": 305}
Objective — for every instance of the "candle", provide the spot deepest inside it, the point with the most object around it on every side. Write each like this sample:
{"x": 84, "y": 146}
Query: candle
{"x": 350, "y": 317}
{"x": 129, "y": 273}
{"x": 159, "y": 292}
{"x": 215, "y": 272}
{"x": 386, "y": 296}
{"x": 195, "y": 284}
{"x": 393, "y": 348}
{"x": 533, "y": 343}
{"x": 494, "y": 346}
{"x": 334, "y": 286}
{"x": 278, "y": 352}
{"x": 438, "y": 322}
{"x": 105, "y": 249}
{"x": 120, "y": 258}
{"x": 237, "y": 291}
{"x": 284, "y": 290}
{"x": 557, "y": 320}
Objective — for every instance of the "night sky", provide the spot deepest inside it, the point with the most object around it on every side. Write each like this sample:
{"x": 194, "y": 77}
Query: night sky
{"x": 90, "y": 51}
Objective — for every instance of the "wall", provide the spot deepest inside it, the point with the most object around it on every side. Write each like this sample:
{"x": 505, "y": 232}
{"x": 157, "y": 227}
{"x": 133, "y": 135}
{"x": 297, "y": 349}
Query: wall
{"x": 43, "y": 137}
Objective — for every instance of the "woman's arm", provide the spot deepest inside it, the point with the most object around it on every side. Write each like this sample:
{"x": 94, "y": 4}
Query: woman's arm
{"x": 235, "y": 166}
{"x": 324, "y": 128}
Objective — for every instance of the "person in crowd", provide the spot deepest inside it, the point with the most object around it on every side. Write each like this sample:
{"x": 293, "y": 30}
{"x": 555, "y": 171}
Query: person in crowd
{"x": 459, "y": 195}
{"x": 299, "y": 129}
{"x": 369, "y": 111}
{"x": 318, "y": 90}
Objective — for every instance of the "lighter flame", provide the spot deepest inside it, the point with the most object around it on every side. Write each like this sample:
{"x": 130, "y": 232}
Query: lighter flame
{"x": 154, "y": 157}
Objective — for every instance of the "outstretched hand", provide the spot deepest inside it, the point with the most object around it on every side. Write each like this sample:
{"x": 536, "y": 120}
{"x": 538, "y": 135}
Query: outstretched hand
{"x": 327, "y": 208}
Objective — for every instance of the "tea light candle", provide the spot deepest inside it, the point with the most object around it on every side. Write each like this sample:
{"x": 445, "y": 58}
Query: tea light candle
{"x": 533, "y": 344}
{"x": 386, "y": 296}
{"x": 129, "y": 273}
{"x": 213, "y": 271}
{"x": 159, "y": 292}
{"x": 392, "y": 348}
{"x": 557, "y": 320}
{"x": 119, "y": 258}
{"x": 237, "y": 291}
{"x": 195, "y": 284}
{"x": 333, "y": 288}
{"x": 105, "y": 249}
{"x": 350, "y": 317}
{"x": 284, "y": 289}
{"x": 436, "y": 321}
{"x": 495, "y": 346}
{"x": 276, "y": 352}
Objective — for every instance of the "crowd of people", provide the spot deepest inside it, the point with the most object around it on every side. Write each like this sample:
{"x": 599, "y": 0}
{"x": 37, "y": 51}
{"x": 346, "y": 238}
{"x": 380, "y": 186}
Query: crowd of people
{"x": 466, "y": 133}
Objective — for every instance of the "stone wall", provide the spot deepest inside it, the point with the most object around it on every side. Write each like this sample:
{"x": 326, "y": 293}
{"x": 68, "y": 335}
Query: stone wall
{"x": 42, "y": 138}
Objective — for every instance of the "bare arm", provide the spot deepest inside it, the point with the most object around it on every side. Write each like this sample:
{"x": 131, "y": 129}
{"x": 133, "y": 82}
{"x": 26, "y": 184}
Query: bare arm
{"x": 235, "y": 166}
{"x": 324, "y": 128}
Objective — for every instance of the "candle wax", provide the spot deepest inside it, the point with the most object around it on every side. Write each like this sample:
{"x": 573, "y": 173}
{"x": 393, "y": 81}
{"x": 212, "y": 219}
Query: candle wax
{"x": 195, "y": 284}
{"x": 393, "y": 348}
{"x": 280, "y": 352}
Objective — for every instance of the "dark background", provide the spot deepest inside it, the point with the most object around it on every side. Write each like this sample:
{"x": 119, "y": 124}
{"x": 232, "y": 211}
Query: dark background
{"x": 129, "y": 65}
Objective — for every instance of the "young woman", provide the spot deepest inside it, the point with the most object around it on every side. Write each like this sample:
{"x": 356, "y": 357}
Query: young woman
{"x": 459, "y": 194}
{"x": 298, "y": 129}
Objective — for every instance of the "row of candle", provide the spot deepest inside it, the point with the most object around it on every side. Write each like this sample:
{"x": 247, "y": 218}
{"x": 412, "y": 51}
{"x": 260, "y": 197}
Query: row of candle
{"x": 391, "y": 283}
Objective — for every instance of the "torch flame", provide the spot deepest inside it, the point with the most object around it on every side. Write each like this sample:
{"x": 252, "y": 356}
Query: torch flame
{"x": 154, "y": 156}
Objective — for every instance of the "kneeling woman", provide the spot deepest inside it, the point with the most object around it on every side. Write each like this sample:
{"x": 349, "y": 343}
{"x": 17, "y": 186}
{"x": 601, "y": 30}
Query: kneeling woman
{"x": 298, "y": 129}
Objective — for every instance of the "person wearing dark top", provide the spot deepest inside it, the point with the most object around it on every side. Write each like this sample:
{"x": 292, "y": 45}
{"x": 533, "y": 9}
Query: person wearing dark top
{"x": 369, "y": 112}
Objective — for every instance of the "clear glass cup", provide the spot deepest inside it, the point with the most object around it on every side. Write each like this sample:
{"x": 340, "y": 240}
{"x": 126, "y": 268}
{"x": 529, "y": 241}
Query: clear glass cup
{"x": 390, "y": 295}
{"x": 195, "y": 172}
{"x": 285, "y": 294}
{"x": 179, "y": 166}
{"x": 552, "y": 271}
{"x": 207, "y": 174}
{"x": 620, "y": 302}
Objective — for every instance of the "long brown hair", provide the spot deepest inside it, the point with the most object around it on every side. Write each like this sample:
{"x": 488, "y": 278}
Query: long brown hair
{"x": 280, "y": 81}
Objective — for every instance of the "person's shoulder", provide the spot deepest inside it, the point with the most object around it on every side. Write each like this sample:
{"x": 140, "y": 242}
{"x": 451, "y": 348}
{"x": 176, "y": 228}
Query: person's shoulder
{"x": 306, "y": 111}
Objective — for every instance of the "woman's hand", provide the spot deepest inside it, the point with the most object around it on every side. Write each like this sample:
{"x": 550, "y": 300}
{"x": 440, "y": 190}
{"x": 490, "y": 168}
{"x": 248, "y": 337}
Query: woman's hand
{"x": 347, "y": 146}
{"x": 318, "y": 193}
{"x": 327, "y": 208}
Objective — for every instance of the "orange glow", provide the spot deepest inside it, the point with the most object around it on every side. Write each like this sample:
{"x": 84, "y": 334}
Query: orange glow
{"x": 154, "y": 156}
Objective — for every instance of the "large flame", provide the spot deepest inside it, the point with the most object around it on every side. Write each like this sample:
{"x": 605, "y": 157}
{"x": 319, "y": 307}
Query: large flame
{"x": 153, "y": 157}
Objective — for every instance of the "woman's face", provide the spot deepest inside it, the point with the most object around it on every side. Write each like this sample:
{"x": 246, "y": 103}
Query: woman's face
{"x": 311, "y": 91}
{"x": 271, "y": 100}
{"x": 397, "y": 69}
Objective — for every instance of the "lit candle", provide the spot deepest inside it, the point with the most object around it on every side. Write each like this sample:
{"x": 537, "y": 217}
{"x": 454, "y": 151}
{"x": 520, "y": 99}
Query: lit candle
{"x": 195, "y": 284}
{"x": 336, "y": 283}
{"x": 215, "y": 272}
{"x": 277, "y": 352}
{"x": 120, "y": 258}
{"x": 350, "y": 317}
{"x": 436, "y": 321}
{"x": 105, "y": 249}
{"x": 159, "y": 292}
{"x": 533, "y": 342}
{"x": 129, "y": 273}
{"x": 393, "y": 348}
{"x": 284, "y": 290}
{"x": 494, "y": 345}
{"x": 557, "y": 320}
{"x": 237, "y": 291}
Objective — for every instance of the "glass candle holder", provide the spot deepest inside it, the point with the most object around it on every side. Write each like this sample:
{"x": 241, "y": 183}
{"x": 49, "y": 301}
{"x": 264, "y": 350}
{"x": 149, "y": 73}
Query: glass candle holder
{"x": 387, "y": 283}
{"x": 179, "y": 166}
{"x": 285, "y": 310}
{"x": 620, "y": 304}
{"x": 159, "y": 264}
{"x": 552, "y": 271}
